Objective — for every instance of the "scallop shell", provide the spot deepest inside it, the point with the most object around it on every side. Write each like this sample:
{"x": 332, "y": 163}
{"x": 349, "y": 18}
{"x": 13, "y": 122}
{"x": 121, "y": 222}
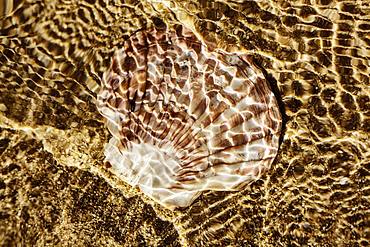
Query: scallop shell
{"x": 185, "y": 119}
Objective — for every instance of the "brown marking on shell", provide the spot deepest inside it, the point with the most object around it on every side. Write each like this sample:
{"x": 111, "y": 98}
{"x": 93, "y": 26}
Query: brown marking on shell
{"x": 185, "y": 119}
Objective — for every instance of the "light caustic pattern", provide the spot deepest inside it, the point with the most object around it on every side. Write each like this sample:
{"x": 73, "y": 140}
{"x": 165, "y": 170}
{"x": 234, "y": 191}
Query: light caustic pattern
{"x": 185, "y": 119}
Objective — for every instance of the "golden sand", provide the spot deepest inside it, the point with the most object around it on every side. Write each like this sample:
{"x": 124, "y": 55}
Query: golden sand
{"x": 55, "y": 189}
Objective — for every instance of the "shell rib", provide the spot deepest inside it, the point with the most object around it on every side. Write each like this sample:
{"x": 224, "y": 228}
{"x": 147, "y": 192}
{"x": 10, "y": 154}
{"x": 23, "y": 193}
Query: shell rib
{"x": 185, "y": 119}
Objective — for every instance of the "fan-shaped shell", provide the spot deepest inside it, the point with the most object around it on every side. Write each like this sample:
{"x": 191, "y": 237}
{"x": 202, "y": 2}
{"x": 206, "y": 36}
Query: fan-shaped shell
{"x": 185, "y": 119}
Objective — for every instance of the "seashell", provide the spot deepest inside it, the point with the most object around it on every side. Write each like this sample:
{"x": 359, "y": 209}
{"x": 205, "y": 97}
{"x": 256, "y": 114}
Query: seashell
{"x": 185, "y": 119}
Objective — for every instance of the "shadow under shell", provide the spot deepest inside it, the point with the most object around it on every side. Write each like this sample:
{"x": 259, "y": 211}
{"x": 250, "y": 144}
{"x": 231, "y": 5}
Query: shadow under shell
{"x": 185, "y": 119}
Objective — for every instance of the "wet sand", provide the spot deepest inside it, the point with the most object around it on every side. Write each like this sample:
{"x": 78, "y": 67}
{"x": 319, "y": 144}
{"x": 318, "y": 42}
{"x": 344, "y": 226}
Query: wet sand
{"x": 55, "y": 189}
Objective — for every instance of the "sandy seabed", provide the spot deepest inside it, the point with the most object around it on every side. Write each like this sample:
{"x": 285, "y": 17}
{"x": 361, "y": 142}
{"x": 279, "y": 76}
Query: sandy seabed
{"x": 55, "y": 189}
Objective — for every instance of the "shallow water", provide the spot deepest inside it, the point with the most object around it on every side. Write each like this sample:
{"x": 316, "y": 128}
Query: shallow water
{"x": 55, "y": 189}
